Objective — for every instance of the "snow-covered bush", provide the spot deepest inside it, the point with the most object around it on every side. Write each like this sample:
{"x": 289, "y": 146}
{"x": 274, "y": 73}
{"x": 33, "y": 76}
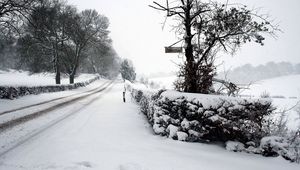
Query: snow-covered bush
{"x": 7, "y": 92}
{"x": 204, "y": 117}
{"x": 241, "y": 124}
{"x": 274, "y": 146}
{"x": 280, "y": 146}
{"x": 271, "y": 146}
{"x": 220, "y": 120}
{"x": 276, "y": 125}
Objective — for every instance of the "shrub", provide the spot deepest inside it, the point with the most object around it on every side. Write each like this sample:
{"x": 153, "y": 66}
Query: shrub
{"x": 223, "y": 119}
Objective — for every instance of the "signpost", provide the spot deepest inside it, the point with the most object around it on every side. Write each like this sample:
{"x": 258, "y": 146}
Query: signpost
{"x": 173, "y": 49}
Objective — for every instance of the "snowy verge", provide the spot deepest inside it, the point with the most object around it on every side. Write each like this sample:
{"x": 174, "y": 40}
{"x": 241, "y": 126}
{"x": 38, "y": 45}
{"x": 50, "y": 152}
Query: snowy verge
{"x": 11, "y": 92}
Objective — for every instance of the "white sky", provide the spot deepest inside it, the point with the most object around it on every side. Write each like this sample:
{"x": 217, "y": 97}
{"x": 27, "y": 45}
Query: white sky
{"x": 137, "y": 34}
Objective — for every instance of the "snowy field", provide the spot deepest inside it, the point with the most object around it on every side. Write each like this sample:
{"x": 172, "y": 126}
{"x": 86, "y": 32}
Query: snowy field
{"x": 285, "y": 86}
{"x": 111, "y": 135}
{"x": 164, "y": 82}
{"x": 285, "y": 93}
{"x": 23, "y": 78}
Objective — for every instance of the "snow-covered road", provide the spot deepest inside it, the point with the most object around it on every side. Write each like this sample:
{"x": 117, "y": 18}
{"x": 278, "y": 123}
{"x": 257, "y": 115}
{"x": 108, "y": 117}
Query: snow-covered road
{"x": 107, "y": 134}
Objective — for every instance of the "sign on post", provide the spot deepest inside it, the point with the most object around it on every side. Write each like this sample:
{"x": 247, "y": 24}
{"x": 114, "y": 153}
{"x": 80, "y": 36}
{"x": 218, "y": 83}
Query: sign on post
{"x": 173, "y": 49}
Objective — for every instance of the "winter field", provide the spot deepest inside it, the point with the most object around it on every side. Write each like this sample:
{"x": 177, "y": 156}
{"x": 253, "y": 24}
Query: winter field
{"x": 285, "y": 94}
{"x": 286, "y": 86}
{"x": 101, "y": 132}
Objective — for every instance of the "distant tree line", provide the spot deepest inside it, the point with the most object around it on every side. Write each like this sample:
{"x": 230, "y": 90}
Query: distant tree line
{"x": 248, "y": 73}
{"x": 53, "y": 36}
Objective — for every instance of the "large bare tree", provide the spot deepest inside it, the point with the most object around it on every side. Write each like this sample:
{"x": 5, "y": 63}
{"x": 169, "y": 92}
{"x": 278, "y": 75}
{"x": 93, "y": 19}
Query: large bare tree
{"x": 208, "y": 27}
{"x": 46, "y": 32}
{"x": 88, "y": 29}
{"x": 13, "y": 13}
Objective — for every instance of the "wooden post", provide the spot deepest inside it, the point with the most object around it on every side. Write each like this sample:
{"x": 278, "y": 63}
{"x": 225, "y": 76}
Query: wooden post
{"x": 124, "y": 100}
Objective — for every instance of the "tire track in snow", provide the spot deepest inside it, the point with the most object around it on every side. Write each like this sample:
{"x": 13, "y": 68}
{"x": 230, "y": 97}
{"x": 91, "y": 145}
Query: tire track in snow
{"x": 11, "y": 123}
{"x": 48, "y": 101}
{"x": 58, "y": 120}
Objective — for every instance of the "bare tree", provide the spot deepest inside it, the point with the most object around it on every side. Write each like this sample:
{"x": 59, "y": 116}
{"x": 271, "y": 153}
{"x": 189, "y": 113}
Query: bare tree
{"x": 90, "y": 27}
{"x": 208, "y": 28}
{"x": 10, "y": 7}
{"x": 13, "y": 13}
{"x": 46, "y": 31}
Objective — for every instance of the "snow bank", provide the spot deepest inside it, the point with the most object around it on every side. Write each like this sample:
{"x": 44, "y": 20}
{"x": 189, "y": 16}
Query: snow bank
{"x": 285, "y": 147}
{"x": 271, "y": 146}
{"x": 234, "y": 146}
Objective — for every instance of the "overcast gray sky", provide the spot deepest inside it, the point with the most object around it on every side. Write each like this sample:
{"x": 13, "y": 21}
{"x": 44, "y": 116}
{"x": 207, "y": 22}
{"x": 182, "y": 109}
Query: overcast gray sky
{"x": 137, "y": 33}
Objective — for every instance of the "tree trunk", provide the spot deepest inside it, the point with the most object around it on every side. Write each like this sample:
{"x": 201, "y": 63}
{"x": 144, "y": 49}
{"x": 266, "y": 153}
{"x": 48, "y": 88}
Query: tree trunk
{"x": 71, "y": 78}
{"x": 56, "y": 63}
{"x": 94, "y": 66}
{"x": 190, "y": 77}
{"x": 72, "y": 74}
{"x": 57, "y": 76}
{"x": 197, "y": 77}
{"x": 57, "y": 70}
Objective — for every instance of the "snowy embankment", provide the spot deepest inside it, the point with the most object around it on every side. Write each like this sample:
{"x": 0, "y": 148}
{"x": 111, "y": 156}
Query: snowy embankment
{"x": 14, "y": 84}
{"x": 205, "y": 118}
{"x": 111, "y": 135}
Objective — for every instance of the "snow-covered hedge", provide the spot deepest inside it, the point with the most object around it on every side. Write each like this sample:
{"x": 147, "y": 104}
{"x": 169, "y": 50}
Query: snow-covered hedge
{"x": 9, "y": 92}
{"x": 197, "y": 117}
{"x": 239, "y": 123}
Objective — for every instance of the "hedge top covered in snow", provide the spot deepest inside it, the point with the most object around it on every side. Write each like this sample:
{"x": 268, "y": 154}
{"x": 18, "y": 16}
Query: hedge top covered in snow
{"x": 209, "y": 101}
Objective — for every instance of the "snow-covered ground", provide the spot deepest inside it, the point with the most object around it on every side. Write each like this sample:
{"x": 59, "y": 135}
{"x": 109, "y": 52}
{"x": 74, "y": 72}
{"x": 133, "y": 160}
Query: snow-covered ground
{"x": 23, "y": 78}
{"x": 285, "y": 93}
{"x": 6, "y": 105}
{"x": 112, "y": 135}
{"x": 286, "y": 86}
{"x": 55, "y": 98}
{"x": 164, "y": 82}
